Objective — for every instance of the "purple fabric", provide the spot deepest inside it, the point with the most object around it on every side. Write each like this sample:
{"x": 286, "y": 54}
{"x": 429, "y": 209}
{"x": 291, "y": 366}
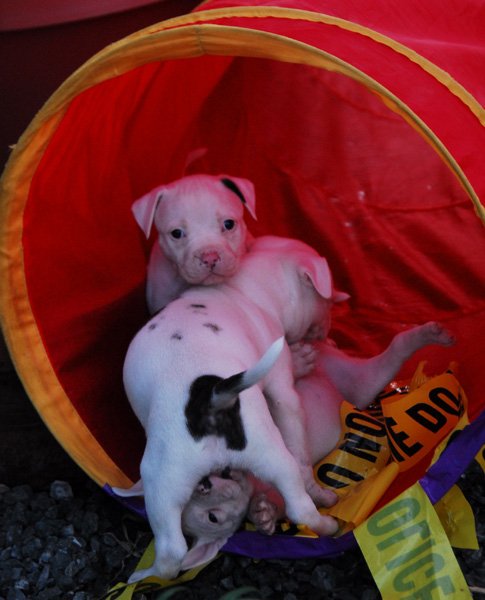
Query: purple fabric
{"x": 459, "y": 453}
{"x": 135, "y": 503}
{"x": 436, "y": 482}
{"x": 257, "y": 545}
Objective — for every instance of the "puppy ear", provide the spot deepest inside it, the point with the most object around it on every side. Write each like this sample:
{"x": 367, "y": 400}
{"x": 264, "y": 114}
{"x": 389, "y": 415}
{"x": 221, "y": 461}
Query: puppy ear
{"x": 144, "y": 209}
{"x": 338, "y": 296}
{"x": 194, "y": 155}
{"x": 202, "y": 552}
{"x": 317, "y": 273}
{"x": 244, "y": 189}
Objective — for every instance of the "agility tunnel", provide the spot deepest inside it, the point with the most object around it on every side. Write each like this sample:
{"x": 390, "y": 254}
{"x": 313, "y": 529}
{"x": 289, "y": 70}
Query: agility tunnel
{"x": 361, "y": 126}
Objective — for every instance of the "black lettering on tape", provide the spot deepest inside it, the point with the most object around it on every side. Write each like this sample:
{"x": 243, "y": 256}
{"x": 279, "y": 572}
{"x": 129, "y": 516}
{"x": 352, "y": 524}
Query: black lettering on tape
{"x": 325, "y": 472}
{"x": 365, "y": 424}
{"x": 399, "y": 438}
{"x": 360, "y": 446}
{"x": 427, "y": 416}
{"x": 395, "y": 454}
{"x": 447, "y": 401}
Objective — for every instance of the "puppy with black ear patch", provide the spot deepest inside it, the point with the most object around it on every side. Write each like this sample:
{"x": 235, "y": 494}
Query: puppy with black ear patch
{"x": 196, "y": 380}
{"x": 201, "y": 232}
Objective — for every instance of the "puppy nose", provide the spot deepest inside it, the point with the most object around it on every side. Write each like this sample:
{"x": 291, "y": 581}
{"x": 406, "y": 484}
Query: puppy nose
{"x": 210, "y": 258}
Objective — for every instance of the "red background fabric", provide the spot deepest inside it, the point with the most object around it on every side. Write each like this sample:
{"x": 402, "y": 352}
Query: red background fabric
{"x": 332, "y": 165}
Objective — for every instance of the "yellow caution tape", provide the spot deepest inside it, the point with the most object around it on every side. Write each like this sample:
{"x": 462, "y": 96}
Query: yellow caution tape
{"x": 410, "y": 422}
{"x": 361, "y": 451}
{"x": 480, "y": 458}
{"x": 457, "y": 519}
{"x": 123, "y": 591}
{"x": 404, "y": 543}
{"x": 357, "y": 470}
{"x": 417, "y": 422}
{"x": 408, "y": 552}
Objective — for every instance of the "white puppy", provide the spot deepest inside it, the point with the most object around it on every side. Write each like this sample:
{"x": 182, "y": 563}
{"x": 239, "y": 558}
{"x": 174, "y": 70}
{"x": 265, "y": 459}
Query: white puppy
{"x": 214, "y": 512}
{"x": 201, "y": 233}
{"x": 187, "y": 374}
{"x": 221, "y": 501}
{"x": 335, "y": 376}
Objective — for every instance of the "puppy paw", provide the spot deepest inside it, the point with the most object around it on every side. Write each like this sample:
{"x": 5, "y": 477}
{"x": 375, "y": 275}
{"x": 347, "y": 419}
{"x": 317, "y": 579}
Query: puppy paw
{"x": 325, "y": 525}
{"x": 436, "y": 333}
{"x": 303, "y": 359}
{"x": 159, "y": 569}
{"x": 137, "y": 576}
{"x": 314, "y": 332}
{"x": 263, "y": 514}
{"x": 322, "y": 496}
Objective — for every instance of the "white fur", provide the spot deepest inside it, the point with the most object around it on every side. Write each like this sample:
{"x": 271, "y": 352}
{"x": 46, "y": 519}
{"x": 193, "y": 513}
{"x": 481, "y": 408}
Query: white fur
{"x": 212, "y": 514}
{"x": 223, "y": 330}
{"x": 199, "y": 207}
{"x": 335, "y": 376}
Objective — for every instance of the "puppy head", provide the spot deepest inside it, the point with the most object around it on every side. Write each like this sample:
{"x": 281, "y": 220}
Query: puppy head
{"x": 200, "y": 224}
{"x": 306, "y": 285}
{"x": 215, "y": 511}
{"x": 145, "y": 208}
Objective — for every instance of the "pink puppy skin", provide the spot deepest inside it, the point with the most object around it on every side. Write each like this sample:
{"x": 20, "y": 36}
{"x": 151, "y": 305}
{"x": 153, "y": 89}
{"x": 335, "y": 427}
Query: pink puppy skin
{"x": 201, "y": 232}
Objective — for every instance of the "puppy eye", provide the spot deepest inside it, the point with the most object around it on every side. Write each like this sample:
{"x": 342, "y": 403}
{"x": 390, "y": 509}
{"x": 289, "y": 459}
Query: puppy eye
{"x": 213, "y": 518}
{"x": 229, "y": 224}
{"x": 177, "y": 233}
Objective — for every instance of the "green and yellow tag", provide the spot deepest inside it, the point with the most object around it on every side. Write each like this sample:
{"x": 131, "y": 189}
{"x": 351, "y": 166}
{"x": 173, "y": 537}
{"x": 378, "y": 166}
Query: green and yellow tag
{"x": 408, "y": 551}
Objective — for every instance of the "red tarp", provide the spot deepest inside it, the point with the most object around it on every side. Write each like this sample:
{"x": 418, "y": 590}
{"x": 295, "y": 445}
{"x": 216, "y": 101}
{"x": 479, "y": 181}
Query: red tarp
{"x": 332, "y": 164}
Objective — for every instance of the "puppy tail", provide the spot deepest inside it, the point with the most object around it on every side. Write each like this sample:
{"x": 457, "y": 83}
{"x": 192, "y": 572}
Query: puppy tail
{"x": 225, "y": 392}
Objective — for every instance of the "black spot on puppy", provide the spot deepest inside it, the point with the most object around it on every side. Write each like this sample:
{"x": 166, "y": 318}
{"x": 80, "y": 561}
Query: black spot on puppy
{"x": 205, "y": 482}
{"x": 176, "y": 336}
{"x": 229, "y": 183}
{"x": 202, "y": 419}
{"x": 198, "y": 309}
{"x": 213, "y": 327}
{"x": 226, "y": 473}
{"x": 152, "y": 326}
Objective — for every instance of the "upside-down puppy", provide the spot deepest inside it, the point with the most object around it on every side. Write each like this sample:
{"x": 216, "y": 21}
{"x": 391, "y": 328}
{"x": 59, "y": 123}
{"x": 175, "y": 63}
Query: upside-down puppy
{"x": 190, "y": 376}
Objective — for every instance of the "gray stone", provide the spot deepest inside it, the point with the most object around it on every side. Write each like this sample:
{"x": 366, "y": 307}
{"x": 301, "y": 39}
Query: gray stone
{"x": 60, "y": 490}
{"x": 43, "y": 578}
{"x": 15, "y": 594}
{"x": 22, "y": 584}
{"x": 76, "y": 565}
{"x": 323, "y": 578}
{"x": 90, "y": 524}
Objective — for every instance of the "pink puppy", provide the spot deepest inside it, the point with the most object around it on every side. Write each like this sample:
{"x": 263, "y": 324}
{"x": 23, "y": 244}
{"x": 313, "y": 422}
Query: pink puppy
{"x": 201, "y": 233}
{"x": 335, "y": 377}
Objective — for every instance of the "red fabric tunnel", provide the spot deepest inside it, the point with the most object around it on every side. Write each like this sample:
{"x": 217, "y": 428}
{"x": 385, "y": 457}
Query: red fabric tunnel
{"x": 362, "y": 130}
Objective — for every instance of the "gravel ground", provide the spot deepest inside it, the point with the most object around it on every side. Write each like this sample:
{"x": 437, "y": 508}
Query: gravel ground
{"x": 65, "y": 541}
